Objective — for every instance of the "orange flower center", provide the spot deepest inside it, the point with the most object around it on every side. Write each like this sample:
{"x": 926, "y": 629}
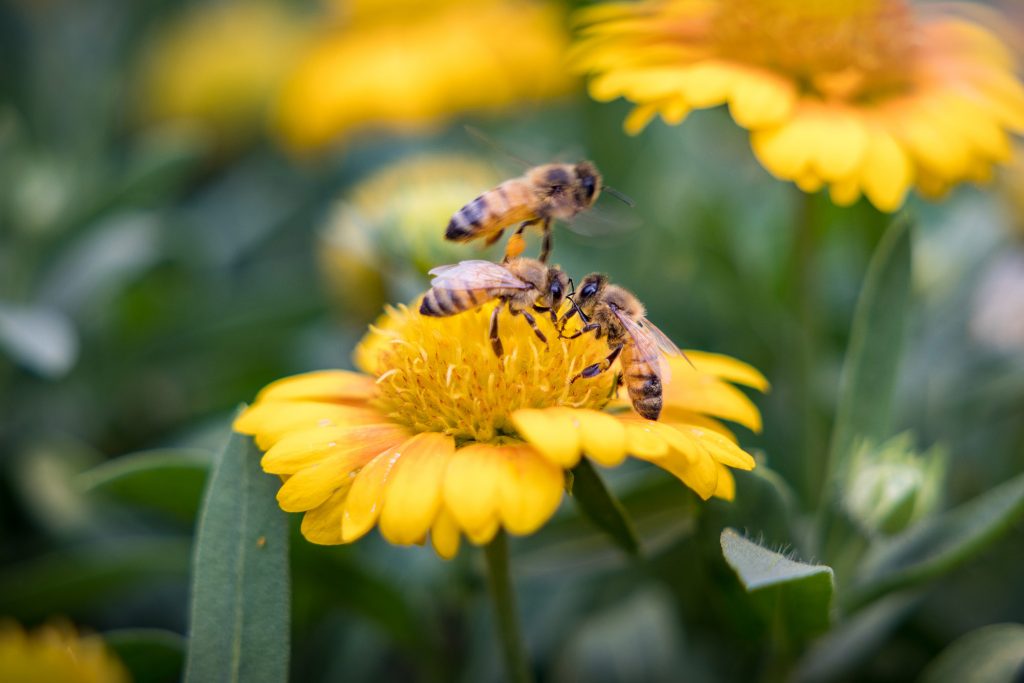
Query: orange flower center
{"x": 838, "y": 49}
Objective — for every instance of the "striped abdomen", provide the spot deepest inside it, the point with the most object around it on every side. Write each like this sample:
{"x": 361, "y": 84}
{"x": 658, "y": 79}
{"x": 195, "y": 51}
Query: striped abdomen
{"x": 642, "y": 381}
{"x": 444, "y": 302}
{"x": 509, "y": 203}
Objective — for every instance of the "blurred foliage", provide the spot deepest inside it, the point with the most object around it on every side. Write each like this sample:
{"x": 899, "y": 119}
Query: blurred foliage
{"x": 153, "y": 275}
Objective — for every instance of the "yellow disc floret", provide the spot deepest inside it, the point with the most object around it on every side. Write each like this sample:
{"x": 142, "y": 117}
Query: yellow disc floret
{"x": 440, "y": 374}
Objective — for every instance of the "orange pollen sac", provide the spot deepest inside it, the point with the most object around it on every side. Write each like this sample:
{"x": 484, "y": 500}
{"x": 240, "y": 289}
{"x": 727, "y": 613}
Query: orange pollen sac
{"x": 849, "y": 50}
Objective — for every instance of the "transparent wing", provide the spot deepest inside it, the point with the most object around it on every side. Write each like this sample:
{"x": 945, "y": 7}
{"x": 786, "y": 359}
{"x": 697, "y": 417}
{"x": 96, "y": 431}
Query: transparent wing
{"x": 475, "y": 275}
{"x": 646, "y": 345}
{"x": 667, "y": 346}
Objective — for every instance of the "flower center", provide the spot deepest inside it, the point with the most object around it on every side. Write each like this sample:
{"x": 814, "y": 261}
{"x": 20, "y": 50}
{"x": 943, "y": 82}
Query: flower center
{"x": 845, "y": 49}
{"x": 441, "y": 375}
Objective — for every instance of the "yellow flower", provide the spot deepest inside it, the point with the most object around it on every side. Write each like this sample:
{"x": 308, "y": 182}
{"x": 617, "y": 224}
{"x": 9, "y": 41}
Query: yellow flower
{"x": 439, "y": 436}
{"x": 403, "y": 65}
{"x": 384, "y": 235}
{"x": 56, "y": 654}
{"x": 219, "y": 66}
{"x": 866, "y": 97}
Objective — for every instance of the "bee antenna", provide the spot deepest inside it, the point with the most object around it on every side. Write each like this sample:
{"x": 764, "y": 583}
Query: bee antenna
{"x": 572, "y": 289}
{"x": 485, "y": 139}
{"x": 625, "y": 199}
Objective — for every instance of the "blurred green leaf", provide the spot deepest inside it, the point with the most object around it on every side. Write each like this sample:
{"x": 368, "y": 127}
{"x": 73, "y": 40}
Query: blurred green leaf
{"x": 42, "y": 340}
{"x": 167, "y": 481}
{"x": 602, "y": 508}
{"x": 992, "y": 654}
{"x": 873, "y": 355}
{"x": 240, "y": 614}
{"x": 939, "y": 544}
{"x": 71, "y": 581}
{"x": 151, "y": 655}
{"x": 793, "y": 595}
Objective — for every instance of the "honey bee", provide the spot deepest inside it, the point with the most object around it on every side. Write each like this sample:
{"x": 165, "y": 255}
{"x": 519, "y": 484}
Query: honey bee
{"x": 616, "y": 314}
{"x": 520, "y": 285}
{"x": 537, "y": 197}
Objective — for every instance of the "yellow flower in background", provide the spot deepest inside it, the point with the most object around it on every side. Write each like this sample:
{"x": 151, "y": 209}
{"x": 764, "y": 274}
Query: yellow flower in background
{"x": 866, "y": 97}
{"x": 219, "y": 66}
{"x": 439, "y": 436}
{"x": 55, "y": 653}
{"x": 384, "y": 235}
{"x": 409, "y": 66}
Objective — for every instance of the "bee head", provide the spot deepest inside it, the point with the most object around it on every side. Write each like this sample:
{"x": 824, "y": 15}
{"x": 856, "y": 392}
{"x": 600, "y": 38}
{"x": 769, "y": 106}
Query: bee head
{"x": 589, "y": 182}
{"x": 555, "y": 289}
{"x": 590, "y": 289}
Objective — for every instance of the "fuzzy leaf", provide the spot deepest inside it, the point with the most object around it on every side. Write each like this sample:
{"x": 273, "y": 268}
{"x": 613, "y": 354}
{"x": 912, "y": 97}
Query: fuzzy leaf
{"x": 239, "y": 628}
{"x": 794, "y": 595}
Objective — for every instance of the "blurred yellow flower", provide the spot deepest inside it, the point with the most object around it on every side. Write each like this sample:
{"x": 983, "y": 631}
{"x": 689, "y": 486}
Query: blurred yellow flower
{"x": 409, "y": 65}
{"x": 219, "y": 67}
{"x": 866, "y": 97}
{"x": 440, "y": 436}
{"x": 384, "y": 235}
{"x": 55, "y": 653}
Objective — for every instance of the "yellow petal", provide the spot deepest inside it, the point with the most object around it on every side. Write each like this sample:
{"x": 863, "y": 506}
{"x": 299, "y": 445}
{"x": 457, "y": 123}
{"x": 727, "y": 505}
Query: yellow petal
{"x": 413, "y": 495}
{"x": 760, "y": 99}
{"x": 638, "y": 119}
{"x": 325, "y": 385}
{"x": 708, "y": 83}
{"x": 701, "y": 393}
{"x": 269, "y": 421}
{"x": 642, "y": 438}
{"x": 602, "y": 437}
{"x": 726, "y": 489}
{"x": 444, "y": 534}
{"x": 483, "y": 535}
{"x": 312, "y": 485}
{"x": 845, "y": 192}
{"x": 694, "y": 466}
{"x": 819, "y": 142}
{"x": 322, "y": 524}
{"x": 552, "y": 431}
{"x": 722, "y": 366}
{"x": 678, "y": 417}
{"x": 886, "y": 171}
{"x": 721, "y": 449}
{"x": 471, "y": 487}
{"x": 298, "y": 450}
{"x": 530, "y": 489}
{"x": 366, "y": 497}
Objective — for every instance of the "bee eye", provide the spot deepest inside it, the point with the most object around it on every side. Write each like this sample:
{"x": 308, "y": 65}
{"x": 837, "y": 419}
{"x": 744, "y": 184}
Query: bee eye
{"x": 556, "y": 289}
{"x": 589, "y": 290}
{"x": 588, "y": 185}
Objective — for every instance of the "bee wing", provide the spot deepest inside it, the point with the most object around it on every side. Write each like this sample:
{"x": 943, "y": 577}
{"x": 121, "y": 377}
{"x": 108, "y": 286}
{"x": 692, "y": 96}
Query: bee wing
{"x": 667, "y": 346}
{"x": 647, "y": 346}
{"x": 475, "y": 275}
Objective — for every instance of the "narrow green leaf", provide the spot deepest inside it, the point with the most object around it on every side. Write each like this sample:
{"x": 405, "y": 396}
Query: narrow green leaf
{"x": 794, "y": 595}
{"x": 240, "y": 613}
{"x": 992, "y": 654}
{"x": 76, "y": 580}
{"x": 873, "y": 356}
{"x": 167, "y": 481}
{"x": 602, "y": 508}
{"x": 938, "y": 544}
{"x": 151, "y": 655}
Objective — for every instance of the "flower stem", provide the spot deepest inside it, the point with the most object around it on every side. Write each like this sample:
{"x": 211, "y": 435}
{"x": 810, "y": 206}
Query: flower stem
{"x": 496, "y": 553}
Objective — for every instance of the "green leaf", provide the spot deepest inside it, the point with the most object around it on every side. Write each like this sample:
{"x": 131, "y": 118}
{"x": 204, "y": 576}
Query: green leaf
{"x": 239, "y": 629}
{"x": 793, "y": 595}
{"x": 873, "y": 356}
{"x": 939, "y": 544}
{"x": 602, "y": 508}
{"x": 151, "y": 655}
{"x": 167, "y": 481}
{"x": 992, "y": 654}
{"x": 74, "y": 581}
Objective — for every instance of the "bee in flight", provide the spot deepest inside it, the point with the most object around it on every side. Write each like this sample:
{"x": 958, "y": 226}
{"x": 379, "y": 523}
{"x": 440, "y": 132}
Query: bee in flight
{"x": 616, "y": 314}
{"x": 520, "y": 285}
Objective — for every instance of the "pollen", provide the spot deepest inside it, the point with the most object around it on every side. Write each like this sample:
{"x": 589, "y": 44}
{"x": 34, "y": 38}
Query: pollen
{"x": 441, "y": 375}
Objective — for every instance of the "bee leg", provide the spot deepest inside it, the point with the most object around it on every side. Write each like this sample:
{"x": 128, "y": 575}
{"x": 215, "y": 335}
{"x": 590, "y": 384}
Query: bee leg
{"x": 516, "y": 243}
{"x": 533, "y": 323}
{"x": 545, "y": 248}
{"x": 549, "y": 311}
{"x": 589, "y": 327}
{"x": 597, "y": 368}
{"x": 495, "y": 339}
{"x": 493, "y": 238}
{"x": 615, "y": 385}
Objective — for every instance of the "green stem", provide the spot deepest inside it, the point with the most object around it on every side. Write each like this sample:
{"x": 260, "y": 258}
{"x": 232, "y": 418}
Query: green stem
{"x": 496, "y": 553}
{"x": 806, "y": 304}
